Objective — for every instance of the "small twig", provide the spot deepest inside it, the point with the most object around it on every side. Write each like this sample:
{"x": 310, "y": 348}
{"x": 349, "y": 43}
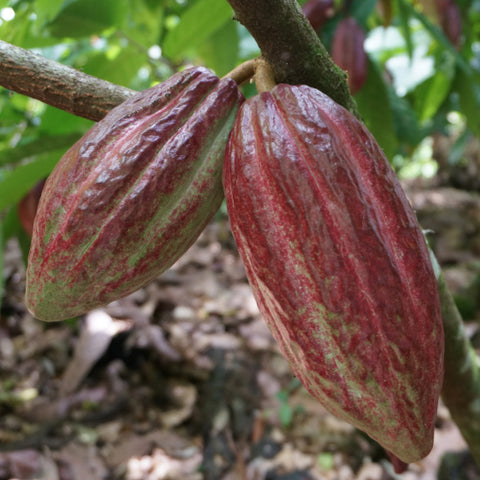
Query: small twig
{"x": 30, "y": 74}
{"x": 243, "y": 73}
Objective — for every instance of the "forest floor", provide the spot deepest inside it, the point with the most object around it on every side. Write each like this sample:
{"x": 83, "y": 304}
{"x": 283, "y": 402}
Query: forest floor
{"x": 182, "y": 380}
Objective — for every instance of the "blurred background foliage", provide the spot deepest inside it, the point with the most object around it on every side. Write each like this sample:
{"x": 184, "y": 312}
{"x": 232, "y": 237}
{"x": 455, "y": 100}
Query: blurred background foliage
{"x": 423, "y": 76}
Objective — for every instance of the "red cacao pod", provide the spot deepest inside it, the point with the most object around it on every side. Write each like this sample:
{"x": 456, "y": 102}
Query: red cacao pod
{"x": 131, "y": 195}
{"x": 337, "y": 263}
{"x": 318, "y": 12}
{"x": 439, "y": 5}
{"x": 349, "y": 54}
{"x": 27, "y": 207}
{"x": 451, "y": 21}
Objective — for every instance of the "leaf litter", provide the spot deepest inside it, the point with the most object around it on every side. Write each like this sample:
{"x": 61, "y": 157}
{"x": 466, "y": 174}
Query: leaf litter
{"x": 180, "y": 380}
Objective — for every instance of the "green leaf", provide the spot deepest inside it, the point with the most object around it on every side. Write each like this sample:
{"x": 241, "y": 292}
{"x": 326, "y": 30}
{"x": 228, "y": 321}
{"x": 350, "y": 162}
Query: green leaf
{"x": 407, "y": 127}
{"x": 2, "y": 249}
{"x": 436, "y": 33}
{"x": 431, "y": 93}
{"x": 121, "y": 70}
{"x": 362, "y": 9}
{"x": 143, "y": 24}
{"x": 374, "y": 106}
{"x": 285, "y": 411}
{"x": 404, "y": 18}
{"x": 220, "y": 51}
{"x": 200, "y": 21}
{"x": 468, "y": 88}
{"x": 43, "y": 144}
{"x": 285, "y": 414}
{"x": 326, "y": 461}
{"x": 14, "y": 184}
{"x": 47, "y": 9}
{"x": 17, "y": 29}
{"x": 457, "y": 151}
{"x": 57, "y": 122}
{"x": 80, "y": 18}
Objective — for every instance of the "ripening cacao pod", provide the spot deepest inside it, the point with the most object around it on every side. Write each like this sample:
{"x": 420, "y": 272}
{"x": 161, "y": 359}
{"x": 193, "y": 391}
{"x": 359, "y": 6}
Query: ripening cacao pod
{"x": 131, "y": 195}
{"x": 349, "y": 53}
{"x": 450, "y": 19}
{"x": 27, "y": 207}
{"x": 439, "y": 5}
{"x": 337, "y": 263}
{"x": 318, "y": 12}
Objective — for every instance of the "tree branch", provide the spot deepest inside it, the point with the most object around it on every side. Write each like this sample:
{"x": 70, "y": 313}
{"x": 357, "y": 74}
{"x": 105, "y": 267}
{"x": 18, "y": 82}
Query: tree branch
{"x": 291, "y": 46}
{"x": 63, "y": 87}
{"x": 461, "y": 386}
{"x": 285, "y": 37}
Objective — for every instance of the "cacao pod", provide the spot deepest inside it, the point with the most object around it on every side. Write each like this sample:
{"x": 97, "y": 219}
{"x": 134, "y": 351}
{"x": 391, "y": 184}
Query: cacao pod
{"x": 27, "y": 207}
{"x": 131, "y": 195}
{"x": 349, "y": 54}
{"x": 451, "y": 21}
{"x": 318, "y": 12}
{"x": 337, "y": 263}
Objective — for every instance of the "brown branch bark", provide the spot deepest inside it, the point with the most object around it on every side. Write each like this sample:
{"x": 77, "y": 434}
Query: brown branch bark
{"x": 291, "y": 46}
{"x": 63, "y": 87}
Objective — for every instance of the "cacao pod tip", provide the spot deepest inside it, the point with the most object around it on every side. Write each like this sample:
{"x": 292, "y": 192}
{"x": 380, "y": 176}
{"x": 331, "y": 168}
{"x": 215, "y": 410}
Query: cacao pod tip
{"x": 46, "y": 307}
{"x": 398, "y": 465}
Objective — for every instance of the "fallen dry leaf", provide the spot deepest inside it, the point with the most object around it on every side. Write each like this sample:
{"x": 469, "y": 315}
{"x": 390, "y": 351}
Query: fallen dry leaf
{"x": 96, "y": 333}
